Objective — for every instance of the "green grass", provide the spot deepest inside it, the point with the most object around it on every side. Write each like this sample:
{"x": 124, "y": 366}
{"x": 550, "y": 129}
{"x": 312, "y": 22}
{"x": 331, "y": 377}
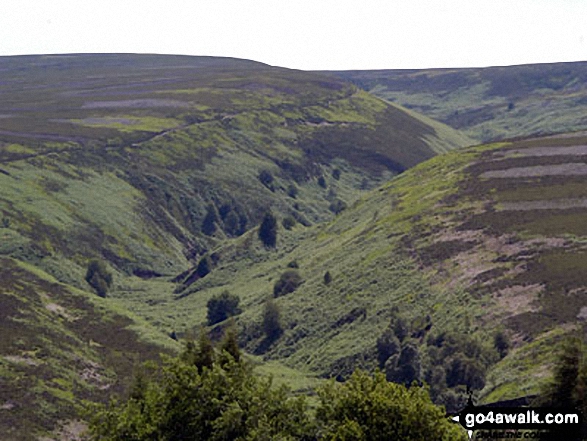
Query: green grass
{"x": 488, "y": 103}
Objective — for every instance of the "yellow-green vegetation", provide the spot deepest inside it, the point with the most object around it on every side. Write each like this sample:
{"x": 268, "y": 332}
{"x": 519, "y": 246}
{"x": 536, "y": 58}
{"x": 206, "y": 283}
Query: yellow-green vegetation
{"x": 488, "y": 103}
{"x": 116, "y": 164}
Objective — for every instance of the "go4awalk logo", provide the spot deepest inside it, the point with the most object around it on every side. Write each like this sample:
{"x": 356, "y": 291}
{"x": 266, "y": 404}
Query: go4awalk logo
{"x": 565, "y": 423}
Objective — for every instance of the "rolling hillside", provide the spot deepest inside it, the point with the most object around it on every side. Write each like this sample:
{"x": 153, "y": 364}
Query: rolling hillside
{"x": 489, "y": 103}
{"x": 149, "y": 164}
{"x": 474, "y": 242}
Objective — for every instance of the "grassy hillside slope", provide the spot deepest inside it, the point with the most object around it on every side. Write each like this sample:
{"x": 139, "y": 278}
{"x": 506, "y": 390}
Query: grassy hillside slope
{"x": 489, "y": 103}
{"x": 148, "y": 163}
{"x": 473, "y": 242}
{"x": 60, "y": 346}
{"x": 124, "y": 156}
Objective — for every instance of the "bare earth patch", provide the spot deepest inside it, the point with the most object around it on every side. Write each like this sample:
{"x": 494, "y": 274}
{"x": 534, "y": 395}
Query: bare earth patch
{"x": 21, "y": 360}
{"x": 517, "y": 299}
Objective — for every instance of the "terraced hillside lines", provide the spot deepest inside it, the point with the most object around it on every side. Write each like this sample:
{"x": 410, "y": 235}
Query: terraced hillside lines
{"x": 59, "y": 347}
{"x": 489, "y": 103}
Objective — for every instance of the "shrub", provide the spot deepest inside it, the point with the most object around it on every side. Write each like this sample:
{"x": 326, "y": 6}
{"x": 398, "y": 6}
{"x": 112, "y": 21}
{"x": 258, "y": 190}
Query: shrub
{"x": 322, "y": 182}
{"x": 222, "y": 306}
{"x": 266, "y": 179}
{"x": 204, "y": 266}
{"x": 287, "y": 283}
{"x": 337, "y": 206}
{"x": 293, "y": 264}
{"x": 268, "y": 230}
{"x": 292, "y": 191}
{"x": 327, "y": 278}
{"x": 288, "y": 222}
{"x": 98, "y": 277}
{"x": 501, "y": 343}
{"x": 210, "y": 220}
{"x": 336, "y": 174}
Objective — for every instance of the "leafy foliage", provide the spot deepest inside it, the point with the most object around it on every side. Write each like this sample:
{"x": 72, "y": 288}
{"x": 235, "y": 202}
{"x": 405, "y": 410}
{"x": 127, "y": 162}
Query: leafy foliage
{"x": 98, "y": 277}
{"x": 222, "y": 306}
{"x": 272, "y": 326}
{"x": 185, "y": 402}
{"x": 372, "y": 409}
{"x": 288, "y": 282}
{"x": 268, "y": 230}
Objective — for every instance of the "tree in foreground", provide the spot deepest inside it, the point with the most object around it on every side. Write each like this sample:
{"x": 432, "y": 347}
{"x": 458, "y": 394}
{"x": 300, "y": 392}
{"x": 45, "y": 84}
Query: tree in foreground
{"x": 367, "y": 408}
{"x": 191, "y": 403}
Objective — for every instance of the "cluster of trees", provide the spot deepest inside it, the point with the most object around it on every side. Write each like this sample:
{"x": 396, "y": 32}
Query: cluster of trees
{"x": 213, "y": 394}
{"x": 449, "y": 363}
{"x": 229, "y": 217}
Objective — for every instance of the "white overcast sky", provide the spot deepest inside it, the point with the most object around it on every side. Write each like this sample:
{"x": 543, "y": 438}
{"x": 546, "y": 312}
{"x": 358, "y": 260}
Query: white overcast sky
{"x": 306, "y": 34}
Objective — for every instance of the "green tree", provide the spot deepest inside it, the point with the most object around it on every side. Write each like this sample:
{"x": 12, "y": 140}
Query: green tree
{"x": 210, "y": 220}
{"x": 98, "y": 277}
{"x": 372, "y": 409}
{"x": 327, "y": 278}
{"x": 387, "y": 345}
{"x": 182, "y": 403}
{"x": 229, "y": 345}
{"x": 268, "y": 230}
{"x": 569, "y": 385}
{"x": 501, "y": 343}
{"x": 272, "y": 326}
{"x": 222, "y": 306}
{"x": 204, "y": 266}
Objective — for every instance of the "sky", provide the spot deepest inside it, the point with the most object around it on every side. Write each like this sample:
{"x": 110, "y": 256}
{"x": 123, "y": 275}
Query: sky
{"x": 303, "y": 34}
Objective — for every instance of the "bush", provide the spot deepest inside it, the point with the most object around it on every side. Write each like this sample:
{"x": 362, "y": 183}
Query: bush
{"x": 98, "y": 277}
{"x": 210, "y": 220}
{"x": 288, "y": 222}
{"x": 292, "y": 191}
{"x": 337, "y": 206}
{"x": 327, "y": 278}
{"x": 222, "y": 306}
{"x": 204, "y": 267}
{"x": 501, "y": 343}
{"x": 266, "y": 179}
{"x": 287, "y": 283}
{"x": 336, "y": 174}
{"x": 268, "y": 230}
{"x": 322, "y": 182}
